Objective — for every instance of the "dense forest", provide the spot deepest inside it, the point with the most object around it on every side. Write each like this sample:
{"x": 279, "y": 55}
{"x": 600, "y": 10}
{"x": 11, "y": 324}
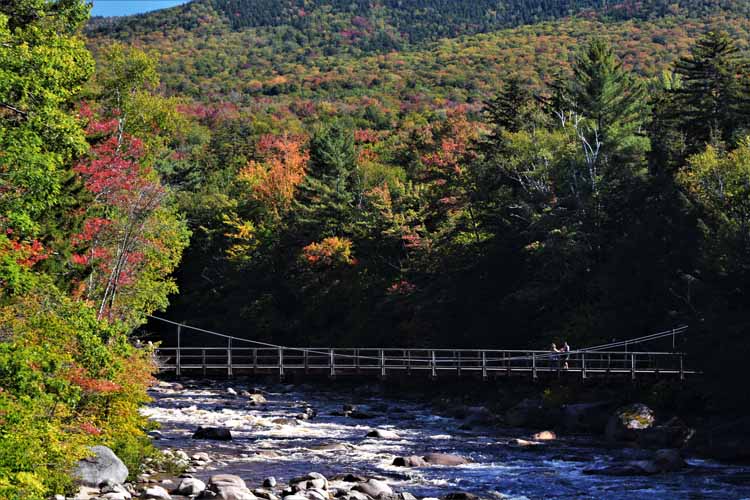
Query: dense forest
{"x": 337, "y": 173}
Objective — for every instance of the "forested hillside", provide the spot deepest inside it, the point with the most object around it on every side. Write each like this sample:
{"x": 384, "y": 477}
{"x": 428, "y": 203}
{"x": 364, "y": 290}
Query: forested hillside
{"x": 505, "y": 189}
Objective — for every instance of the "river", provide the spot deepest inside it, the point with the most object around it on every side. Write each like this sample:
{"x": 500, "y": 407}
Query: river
{"x": 331, "y": 445}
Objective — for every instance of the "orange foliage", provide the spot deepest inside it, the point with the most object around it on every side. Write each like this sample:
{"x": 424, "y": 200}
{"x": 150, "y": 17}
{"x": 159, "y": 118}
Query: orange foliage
{"x": 274, "y": 179}
{"x": 330, "y": 251}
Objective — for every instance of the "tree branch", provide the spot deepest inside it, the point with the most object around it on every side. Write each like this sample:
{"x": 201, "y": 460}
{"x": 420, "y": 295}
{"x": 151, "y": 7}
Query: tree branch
{"x": 14, "y": 109}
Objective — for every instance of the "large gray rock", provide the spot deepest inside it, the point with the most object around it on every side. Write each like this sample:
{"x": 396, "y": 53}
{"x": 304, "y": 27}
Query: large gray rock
{"x": 190, "y": 486}
{"x": 214, "y": 433}
{"x": 444, "y": 459}
{"x": 628, "y": 421}
{"x": 156, "y": 493}
{"x": 310, "y": 480}
{"x": 101, "y": 467}
{"x": 373, "y": 488}
{"x": 228, "y": 487}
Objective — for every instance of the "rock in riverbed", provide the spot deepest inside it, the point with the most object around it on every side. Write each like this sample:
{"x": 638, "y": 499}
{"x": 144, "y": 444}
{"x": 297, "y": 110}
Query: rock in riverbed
{"x": 156, "y": 493}
{"x": 102, "y": 466}
{"x": 627, "y": 421}
{"x": 444, "y": 459}
{"x": 411, "y": 461}
{"x": 227, "y": 487}
{"x": 430, "y": 459}
{"x": 373, "y": 488}
{"x": 545, "y": 436}
{"x": 190, "y": 486}
{"x": 214, "y": 433}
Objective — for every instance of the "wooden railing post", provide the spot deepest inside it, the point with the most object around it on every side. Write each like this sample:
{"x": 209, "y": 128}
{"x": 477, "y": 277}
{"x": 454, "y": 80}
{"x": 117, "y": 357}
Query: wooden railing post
{"x": 229, "y": 357}
{"x": 632, "y": 366}
{"x": 583, "y": 365}
{"x": 484, "y": 365}
{"x": 682, "y": 369}
{"x": 458, "y": 361}
{"x": 382, "y": 363}
{"x": 332, "y": 364}
{"x": 255, "y": 360}
{"x": 434, "y": 367}
{"x": 203, "y": 361}
{"x": 179, "y": 346}
{"x": 408, "y": 362}
{"x": 306, "y": 361}
{"x": 281, "y": 362}
{"x": 533, "y": 365}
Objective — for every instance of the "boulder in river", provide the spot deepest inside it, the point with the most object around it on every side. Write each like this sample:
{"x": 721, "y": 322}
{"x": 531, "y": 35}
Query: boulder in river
{"x": 545, "y": 436}
{"x": 383, "y": 434}
{"x": 444, "y": 459}
{"x": 310, "y": 480}
{"x": 156, "y": 493}
{"x": 256, "y": 399}
{"x": 373, "y": 488}
{"x": 190, "y": 486}
{"x": 628, "y": 421}
{"x": 412, "y": 461}
{"x": 214, "y": 433}
{"x": 228, "y": 487}
{"x": 102, "y": 466}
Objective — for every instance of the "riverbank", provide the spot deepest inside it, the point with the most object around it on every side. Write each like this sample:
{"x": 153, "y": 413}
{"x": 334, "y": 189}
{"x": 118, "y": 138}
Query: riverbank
{"x": 353, "y": 436}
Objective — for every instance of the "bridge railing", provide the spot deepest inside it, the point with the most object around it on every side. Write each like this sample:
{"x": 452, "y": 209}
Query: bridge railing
{"x": 382, "y": 361}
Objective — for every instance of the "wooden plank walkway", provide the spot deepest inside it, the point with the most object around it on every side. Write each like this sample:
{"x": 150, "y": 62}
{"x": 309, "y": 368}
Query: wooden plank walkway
{"x": 233, "y": 361}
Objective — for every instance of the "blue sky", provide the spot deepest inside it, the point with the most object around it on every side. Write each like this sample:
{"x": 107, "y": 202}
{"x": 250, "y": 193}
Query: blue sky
{"x": 127, "y": 7}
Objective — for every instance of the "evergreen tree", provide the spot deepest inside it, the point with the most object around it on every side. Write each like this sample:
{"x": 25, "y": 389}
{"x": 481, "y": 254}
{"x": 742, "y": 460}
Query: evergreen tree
{"x": 711, "y": 103}
{"x": 327, "y": 194}
{"x": 509, "y": 109}
{"x": 604, "y": 92}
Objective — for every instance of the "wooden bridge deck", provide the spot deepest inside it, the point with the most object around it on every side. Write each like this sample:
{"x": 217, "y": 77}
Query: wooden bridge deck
{"x": 232, "y": 361}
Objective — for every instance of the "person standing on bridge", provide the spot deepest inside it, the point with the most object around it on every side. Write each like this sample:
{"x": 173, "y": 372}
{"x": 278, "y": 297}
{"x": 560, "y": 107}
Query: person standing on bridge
{"x": 554, "y": 358}
{"x": 566, "y": 350}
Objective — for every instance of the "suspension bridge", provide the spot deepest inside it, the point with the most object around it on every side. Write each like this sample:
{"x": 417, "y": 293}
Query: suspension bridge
{"x": 240, "y": 356}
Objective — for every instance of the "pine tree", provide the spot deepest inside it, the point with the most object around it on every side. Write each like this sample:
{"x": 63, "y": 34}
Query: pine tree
{"x": 604, "y": 92}
{"x": 508, "y": 109}
{"x": 710, "y": 102}
{"x": 327, "y": 195}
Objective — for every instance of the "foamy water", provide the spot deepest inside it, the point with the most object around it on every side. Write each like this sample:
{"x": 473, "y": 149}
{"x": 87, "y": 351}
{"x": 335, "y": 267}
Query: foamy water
{"x": 499, "y": 468}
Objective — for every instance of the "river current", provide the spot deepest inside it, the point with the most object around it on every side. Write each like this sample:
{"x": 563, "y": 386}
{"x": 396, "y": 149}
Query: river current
{"x": 331, "y": 445}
